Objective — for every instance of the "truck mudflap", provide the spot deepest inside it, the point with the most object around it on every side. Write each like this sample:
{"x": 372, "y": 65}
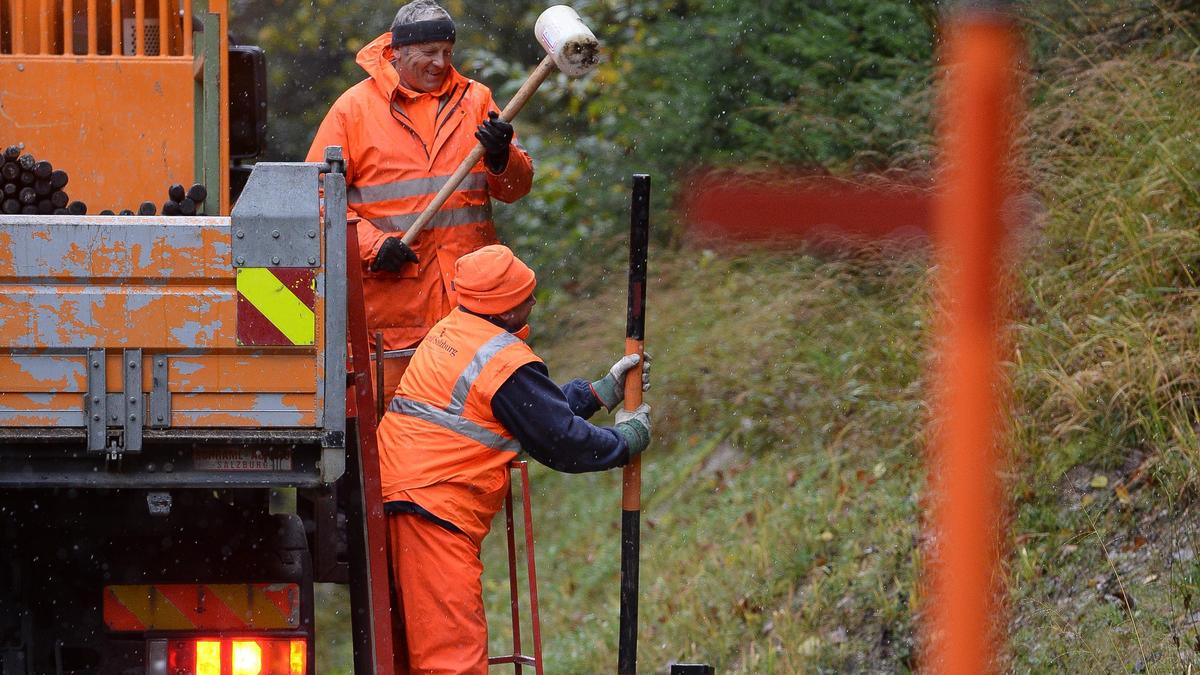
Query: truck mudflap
{"x": 145, "y": 349}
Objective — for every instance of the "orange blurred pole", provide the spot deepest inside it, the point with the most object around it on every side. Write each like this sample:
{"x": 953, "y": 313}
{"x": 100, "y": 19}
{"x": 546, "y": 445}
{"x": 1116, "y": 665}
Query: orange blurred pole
{"x": 979, "y": 116}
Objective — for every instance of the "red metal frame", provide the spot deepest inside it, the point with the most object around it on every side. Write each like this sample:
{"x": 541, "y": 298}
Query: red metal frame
{"x": 360, "y": 404}
{"x": 517, "y": 658}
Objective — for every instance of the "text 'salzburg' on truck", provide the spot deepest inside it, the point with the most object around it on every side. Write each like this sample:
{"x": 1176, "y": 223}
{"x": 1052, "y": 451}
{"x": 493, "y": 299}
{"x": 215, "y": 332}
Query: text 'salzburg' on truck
{"x": 172, "y": 390}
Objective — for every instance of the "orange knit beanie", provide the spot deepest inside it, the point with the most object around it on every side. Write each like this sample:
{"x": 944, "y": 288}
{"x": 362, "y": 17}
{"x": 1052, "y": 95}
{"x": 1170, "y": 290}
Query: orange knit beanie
{"x": 492, "y": 280}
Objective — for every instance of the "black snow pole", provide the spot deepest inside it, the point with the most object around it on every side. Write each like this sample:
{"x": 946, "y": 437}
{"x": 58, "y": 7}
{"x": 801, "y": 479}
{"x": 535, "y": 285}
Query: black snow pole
{"x": 631, "y": 497}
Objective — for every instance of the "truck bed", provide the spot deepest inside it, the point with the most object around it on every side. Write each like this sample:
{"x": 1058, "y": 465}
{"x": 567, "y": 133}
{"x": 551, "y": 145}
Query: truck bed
{"x": 209, "y": 345}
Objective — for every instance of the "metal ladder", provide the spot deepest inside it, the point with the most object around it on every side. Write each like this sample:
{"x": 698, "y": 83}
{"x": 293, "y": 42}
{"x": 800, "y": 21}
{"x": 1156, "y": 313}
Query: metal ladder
{"x": 517, "y": 658}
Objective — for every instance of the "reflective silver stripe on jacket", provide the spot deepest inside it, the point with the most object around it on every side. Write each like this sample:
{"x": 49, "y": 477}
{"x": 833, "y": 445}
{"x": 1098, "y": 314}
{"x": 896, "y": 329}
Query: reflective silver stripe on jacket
{"x": 443, "y": 218}
{"x": 412, "y": 187}
{"x": 458, "y": 399}
{"x": 451, "y": 416}
{"x": 451, "y": 422}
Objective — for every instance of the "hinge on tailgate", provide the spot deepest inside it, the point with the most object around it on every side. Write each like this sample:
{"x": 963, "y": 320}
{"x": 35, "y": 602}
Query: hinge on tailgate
{"x": 135, "y": 409}
{"x": 160, "y": 393}
{"x": 125, "y": 410}
{"x": 95, "y": 402}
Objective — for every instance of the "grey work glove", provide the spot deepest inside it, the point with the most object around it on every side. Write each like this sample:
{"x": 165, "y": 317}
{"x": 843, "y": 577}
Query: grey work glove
{"x": 610, "y": 389}
{"x": 495, "y": 135}
{"x": 634, "y": 426}
{"x": 393, "y": 255}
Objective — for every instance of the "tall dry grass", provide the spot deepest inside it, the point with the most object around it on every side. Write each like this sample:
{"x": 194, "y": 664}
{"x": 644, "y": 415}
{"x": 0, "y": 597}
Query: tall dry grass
{"x": 1105, "y": 374}
{"x": 1107, "y": 347}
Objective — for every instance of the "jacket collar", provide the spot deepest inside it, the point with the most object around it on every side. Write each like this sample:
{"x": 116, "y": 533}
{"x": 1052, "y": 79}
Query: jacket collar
{"x": 376, "y": 59}
{"x": 490, "y": 319}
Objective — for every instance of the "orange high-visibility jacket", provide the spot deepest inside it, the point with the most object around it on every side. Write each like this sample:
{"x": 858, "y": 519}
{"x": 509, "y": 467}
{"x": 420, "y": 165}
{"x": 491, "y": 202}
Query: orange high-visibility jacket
{"x": 440, "y": 446}
{"x": 400, "y": 147}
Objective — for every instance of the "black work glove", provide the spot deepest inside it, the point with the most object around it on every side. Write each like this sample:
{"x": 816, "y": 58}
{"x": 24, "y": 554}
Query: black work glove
{"x": 495, "y": 136}
{"x": 393, "y": 255}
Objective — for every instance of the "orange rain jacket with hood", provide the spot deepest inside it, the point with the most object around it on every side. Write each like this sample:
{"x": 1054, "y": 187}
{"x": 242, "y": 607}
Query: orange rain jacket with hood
{"x": 400, "y": 147}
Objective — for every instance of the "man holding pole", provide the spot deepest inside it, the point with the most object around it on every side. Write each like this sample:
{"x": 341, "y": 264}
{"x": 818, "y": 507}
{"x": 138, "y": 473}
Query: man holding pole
{"x": 474, "y": 395}
{"x": 404, "y": 130}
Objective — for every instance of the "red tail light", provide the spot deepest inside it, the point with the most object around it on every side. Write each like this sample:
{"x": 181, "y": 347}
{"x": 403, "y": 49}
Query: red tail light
{"x": 231, "y": 656}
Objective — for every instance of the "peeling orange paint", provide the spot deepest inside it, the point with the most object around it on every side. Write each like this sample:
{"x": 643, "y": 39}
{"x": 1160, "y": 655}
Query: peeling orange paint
{"x": 147, "y": 317}
{"x": 217, "y": 266}
{"x": 16, "y": 376}
{"x": 12, "y": 321}
{"x": 6, "y": 254}
{"x": 264, "y": 373}
{"x": 39, "y": 403}
{"x": 243, "y": 410}
{"x": 297, "y": 401}
{"x": 241, "y": 402}
{"x": 127, "y": 249}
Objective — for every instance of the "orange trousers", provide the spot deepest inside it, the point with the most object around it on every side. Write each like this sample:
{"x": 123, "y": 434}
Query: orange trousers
{"x": 437, "y": 603}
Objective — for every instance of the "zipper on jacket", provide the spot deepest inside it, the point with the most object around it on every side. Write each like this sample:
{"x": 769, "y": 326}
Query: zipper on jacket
{"x": 443, "y": 100}
{"x": 452, "y": 109}
{"x": 407, "y": 125}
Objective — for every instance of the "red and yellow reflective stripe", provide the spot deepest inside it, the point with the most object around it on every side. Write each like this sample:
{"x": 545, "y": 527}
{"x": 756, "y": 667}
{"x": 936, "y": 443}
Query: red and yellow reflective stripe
{"x": 142, "y": 607}
{"x": 276, "y": 306}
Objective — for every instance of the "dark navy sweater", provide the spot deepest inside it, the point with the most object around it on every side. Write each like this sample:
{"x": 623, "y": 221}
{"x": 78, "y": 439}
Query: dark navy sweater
{"x": 551, "y": 423}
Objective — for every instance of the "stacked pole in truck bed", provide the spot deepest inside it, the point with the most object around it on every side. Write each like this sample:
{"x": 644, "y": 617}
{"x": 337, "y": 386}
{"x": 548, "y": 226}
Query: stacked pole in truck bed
{"x": 32, "y": 187}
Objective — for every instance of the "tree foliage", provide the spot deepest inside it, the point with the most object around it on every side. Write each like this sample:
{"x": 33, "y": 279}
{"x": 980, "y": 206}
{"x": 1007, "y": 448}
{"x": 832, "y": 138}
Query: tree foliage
{"x": 685, "y": 85}
{"x": 806, "y": 82}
